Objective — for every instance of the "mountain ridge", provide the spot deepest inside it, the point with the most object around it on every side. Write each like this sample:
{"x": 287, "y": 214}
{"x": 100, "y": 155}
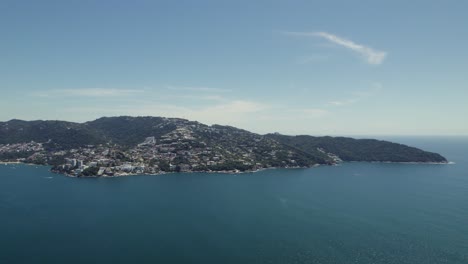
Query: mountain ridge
{"x": 155, "y": 144}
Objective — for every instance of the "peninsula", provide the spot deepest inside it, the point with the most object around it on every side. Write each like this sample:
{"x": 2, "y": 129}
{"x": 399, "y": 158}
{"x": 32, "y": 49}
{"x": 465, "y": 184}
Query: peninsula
{"x": 115, "y": 146}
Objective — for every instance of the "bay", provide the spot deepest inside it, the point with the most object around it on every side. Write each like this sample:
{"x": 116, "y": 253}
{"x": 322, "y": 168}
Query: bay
{"x": 352, "y": 213}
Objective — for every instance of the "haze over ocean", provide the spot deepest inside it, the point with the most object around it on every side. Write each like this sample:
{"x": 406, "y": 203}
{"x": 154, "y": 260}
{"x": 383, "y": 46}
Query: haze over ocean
{"x": 352, "y": 213}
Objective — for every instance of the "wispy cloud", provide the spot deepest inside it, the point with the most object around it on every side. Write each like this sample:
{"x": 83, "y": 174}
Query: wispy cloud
{"x": 372, "y": 56}
{"x": 257, "y": 116}
{"x": 357, "y": 96}
{"x": 343, "y": 102}
{"x": 198, "y": 89}
{"x": 312, "y": 58}
{"x": 311, "y": 112}
{"x": 230, "y": 112}
{"x": 201, "y": 97}
{"x": 181, "y": 95}
{"x": 88, "y": 92}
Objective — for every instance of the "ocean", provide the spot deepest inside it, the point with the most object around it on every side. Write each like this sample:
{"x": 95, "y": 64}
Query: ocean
{"x": 351, "y": 213}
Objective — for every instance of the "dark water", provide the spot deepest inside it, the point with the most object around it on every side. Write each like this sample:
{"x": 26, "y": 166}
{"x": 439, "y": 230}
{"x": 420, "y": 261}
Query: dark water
{"x": 353, "y": 213}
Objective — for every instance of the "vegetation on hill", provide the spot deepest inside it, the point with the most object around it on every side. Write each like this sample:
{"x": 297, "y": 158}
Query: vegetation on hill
{"x": 129, "y": 131}
{"x": 194, "y": 145}
{"x": 56, "y": 134}
{"x": 349, "y": 149}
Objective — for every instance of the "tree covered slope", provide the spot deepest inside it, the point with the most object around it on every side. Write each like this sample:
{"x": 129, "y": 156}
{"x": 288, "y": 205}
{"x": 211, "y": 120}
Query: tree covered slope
{"x": 231, "y": 143}
{"x": 349, "y": 149}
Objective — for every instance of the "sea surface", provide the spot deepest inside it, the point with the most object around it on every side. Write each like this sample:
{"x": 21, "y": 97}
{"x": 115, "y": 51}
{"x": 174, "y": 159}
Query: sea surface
{"x": 352, "y": 213}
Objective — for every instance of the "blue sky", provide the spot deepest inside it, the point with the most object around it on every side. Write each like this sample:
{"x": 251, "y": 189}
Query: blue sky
{"x": 296, "y": 67}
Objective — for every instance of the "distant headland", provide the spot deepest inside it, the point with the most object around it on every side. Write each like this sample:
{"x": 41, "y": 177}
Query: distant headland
{"x": 116, "y": 146}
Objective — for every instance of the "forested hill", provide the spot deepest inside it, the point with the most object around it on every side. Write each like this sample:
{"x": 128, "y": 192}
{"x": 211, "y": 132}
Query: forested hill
{"x": 125, "y": 131}
{"x": 190, "y": 141}
{"x": 350, "y": 149}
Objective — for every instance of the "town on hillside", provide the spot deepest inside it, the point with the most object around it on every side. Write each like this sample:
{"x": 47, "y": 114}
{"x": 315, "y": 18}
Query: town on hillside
{"x": 177, "y": 151}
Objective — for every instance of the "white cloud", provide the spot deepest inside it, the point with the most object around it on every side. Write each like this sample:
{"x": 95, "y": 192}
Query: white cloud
{"x": 88, "y": 92}
{"x": 231, "y": 112}
{"x": 203, "y": 104}
{"x": 198, "y": 89}
{"x": 371, "y": 56}
{"x": 311, "y": 112}
{"x": 190, "y": 97}
{"x": 185, "y": 92}
{"x": 343, "y": 102}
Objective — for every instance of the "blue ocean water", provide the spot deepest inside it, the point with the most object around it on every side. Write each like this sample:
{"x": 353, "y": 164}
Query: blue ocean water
{"x": 352, "y": 213}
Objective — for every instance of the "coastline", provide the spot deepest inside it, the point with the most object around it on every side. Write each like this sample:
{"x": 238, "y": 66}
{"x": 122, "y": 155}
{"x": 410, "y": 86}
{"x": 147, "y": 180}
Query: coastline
{"x": 410, "y": 162}
{"x": 185, "y": 172}
{"x": 11, "y": 162}
{"x": 221, "y": 172}
{"x": 181, "y": 172}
